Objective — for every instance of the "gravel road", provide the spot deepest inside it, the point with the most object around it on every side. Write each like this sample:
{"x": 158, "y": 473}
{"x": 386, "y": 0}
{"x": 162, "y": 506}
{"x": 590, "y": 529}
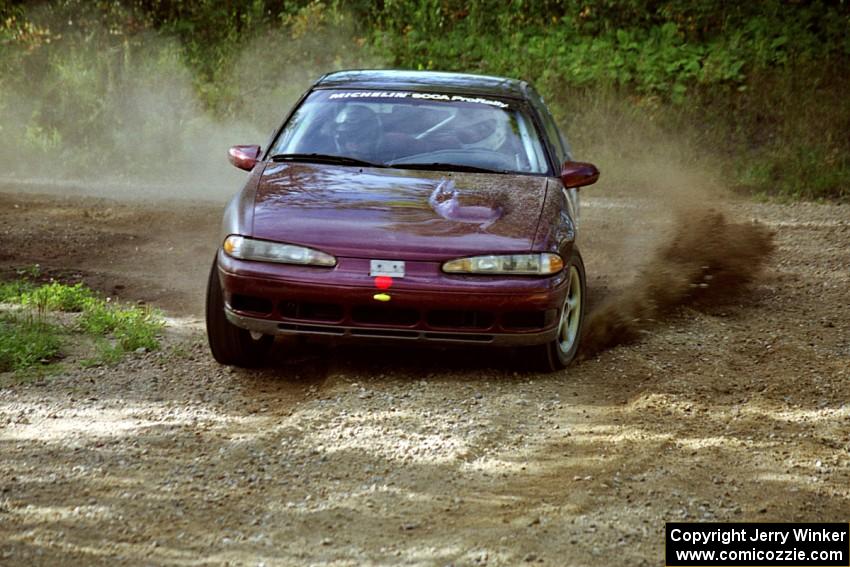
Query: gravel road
{"x": 391, "y": 455}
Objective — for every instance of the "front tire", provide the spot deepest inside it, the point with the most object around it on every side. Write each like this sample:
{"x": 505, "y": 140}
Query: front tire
{"x": 559, "y": 353}
{"x": 229, "y": 344}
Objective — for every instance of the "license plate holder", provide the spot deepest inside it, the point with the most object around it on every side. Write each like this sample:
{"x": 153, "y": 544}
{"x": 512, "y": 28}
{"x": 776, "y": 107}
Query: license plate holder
{"x": 388, "y": 268}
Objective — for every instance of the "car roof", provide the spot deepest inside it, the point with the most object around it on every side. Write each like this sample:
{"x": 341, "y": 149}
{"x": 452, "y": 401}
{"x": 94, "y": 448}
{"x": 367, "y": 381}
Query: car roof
{"x": 459, "y": 83}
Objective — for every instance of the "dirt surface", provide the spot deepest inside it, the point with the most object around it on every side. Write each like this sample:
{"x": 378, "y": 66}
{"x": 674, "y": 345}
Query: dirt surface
{"x": 731, "y": 410}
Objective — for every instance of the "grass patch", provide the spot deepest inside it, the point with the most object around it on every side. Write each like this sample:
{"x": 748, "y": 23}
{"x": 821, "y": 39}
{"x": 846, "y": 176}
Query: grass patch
{"x": 132, "y": 327}
{"x": 11, "y": 292}
{"x": 28, "y": 339}
{"x": 26, "y": 342}
{"x": 56, "y": 296}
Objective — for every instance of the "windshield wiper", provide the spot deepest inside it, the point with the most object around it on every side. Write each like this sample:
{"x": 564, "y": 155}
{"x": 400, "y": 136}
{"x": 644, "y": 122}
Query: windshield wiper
{"x": 439, "y": 166}
{"x": 325, "y": 158}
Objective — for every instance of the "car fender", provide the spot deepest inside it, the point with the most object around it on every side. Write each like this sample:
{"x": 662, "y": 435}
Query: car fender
{"x": 556, "y": 230}
{"x": 239, "y": 212}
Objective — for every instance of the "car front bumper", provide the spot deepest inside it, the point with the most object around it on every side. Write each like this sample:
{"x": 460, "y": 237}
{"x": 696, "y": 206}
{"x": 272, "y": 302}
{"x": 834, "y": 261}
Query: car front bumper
{"x": 335, "y": 331}
{"x": 427, "y": 305}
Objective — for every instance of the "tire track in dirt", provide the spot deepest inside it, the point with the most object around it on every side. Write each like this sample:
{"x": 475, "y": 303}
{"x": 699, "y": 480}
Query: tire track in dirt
{"x": 728, "y": 411}
{"x": 155, "y": 253}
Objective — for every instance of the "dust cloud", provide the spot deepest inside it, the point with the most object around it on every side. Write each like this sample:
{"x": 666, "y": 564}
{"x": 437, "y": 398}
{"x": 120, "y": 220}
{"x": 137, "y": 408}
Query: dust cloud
{"x": 92, "y": 116}
{"x": 146, "y": 136}
{"x": 704, "y": 258}
{"x": 660, "y": 230}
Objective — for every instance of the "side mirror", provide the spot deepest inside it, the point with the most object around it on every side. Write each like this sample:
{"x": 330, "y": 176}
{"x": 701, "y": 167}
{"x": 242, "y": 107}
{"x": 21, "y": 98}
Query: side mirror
{"x": 578, "y": 174}
{"x": 244, "y": 157}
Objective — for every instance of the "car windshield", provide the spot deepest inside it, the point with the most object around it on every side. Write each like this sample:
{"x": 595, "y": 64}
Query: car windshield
{"x": 413, "y": 130}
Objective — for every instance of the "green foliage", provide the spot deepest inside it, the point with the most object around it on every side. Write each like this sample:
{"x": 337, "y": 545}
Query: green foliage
{"x": 26, "y": 339}
{"x": 25, "y": 342}
{"x": 132, "y": 327}
{"x": 11, "y": 292}
{"x": 745, "y": 82}
{"x": 798, "y": 171}
{"x": 663, "y": 51}
{"x": 56, "y": 296}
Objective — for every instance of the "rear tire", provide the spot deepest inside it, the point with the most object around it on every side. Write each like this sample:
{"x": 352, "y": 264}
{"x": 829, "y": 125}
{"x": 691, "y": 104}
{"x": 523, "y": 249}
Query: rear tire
{"x": 559, "y": 353}
{"x": 229, "y": 344}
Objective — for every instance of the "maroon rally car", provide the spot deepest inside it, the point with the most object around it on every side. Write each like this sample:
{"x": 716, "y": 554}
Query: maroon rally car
{"x": 410, "y": 206}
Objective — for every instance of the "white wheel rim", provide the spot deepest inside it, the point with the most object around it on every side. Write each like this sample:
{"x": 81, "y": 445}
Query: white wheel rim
{"x": 571, "y": 313}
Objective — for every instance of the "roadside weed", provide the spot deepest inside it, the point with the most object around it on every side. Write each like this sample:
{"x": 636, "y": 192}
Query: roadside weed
{"x": 56, "y": 296}
{"x": 11, "y": 292}
{"x": 132, "y": 327}
{"x": 28, "y": 336}
{"x": 25, "y": 342}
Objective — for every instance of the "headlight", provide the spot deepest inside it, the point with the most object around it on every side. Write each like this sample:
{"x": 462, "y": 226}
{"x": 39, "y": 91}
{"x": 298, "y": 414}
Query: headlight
{"x": 519, "y": 264}
{"x": 265, "y": 251}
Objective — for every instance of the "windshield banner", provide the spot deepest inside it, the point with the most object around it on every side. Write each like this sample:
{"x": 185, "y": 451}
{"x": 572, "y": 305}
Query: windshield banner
{"x": 418, "y": 96}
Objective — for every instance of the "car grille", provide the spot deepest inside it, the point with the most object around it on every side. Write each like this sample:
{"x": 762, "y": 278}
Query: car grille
{"x": 380, "y": 315}
{"x": 311, "y": 311}
{"x": 299, "y": 314}
{"x": 460, "y": 319}
{"x": 528, "y": 319}
{"x": 251, "y": 304}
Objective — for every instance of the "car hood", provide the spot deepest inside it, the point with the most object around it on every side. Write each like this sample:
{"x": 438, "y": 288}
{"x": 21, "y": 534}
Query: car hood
{"x": 397, "y": 214}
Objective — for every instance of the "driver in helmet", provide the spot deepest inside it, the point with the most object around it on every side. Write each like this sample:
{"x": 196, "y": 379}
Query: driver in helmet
{"x": 357, "y": 132}
{"x": 486, "y": 129}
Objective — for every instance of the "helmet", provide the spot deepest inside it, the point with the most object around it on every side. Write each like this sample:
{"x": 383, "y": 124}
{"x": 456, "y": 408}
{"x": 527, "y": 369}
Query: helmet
{"x": 485, "y": 129}
{"x": 357, "y": 130}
